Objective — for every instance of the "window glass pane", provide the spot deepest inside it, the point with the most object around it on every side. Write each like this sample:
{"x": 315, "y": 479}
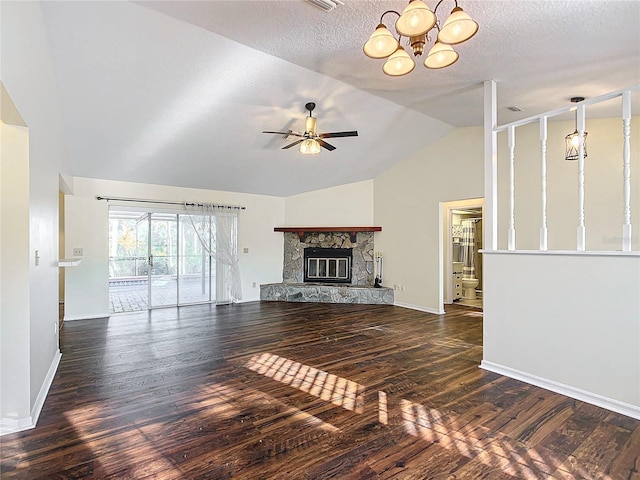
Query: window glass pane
{"x": 194, "y": 282}
{"x": 342, "y": 268}
{"x": 332, "y": 267}
{"x": 312, "y": 268}
{"x": 322, "y": 270}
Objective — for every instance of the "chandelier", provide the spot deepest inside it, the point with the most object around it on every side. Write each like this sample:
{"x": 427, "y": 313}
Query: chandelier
{"x": 415, "y": 23}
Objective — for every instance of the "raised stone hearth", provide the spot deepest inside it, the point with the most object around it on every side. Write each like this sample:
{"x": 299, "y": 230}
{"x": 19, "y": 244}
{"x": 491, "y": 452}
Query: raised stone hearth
{"x": 311, "y": 292}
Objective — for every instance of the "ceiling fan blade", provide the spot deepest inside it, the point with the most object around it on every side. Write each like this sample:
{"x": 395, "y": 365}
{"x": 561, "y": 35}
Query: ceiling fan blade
{"x": 293, "y": 144}
{"x": 286, "y": 134}
{"x": 326, "y": 145}
{"x": 353, "y": 133}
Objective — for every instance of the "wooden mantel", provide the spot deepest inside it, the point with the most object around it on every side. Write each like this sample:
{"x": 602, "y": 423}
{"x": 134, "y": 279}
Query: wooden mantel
{"x": 350, "y": 230}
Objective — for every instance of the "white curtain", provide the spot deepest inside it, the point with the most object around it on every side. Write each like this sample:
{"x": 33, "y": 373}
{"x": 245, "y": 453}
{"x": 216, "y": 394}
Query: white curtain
{"x": 468, "y": 251}
{"x": 217, "y": 231}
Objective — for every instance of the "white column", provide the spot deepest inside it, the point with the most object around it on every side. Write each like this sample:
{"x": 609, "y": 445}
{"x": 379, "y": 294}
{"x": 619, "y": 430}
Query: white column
{"x": 581, "y": 237}
{"x": 490, "y": 166}
{"x": 626, "y": 171}
{"x": 511, "y": 245}
{"x": 543, "y": 175}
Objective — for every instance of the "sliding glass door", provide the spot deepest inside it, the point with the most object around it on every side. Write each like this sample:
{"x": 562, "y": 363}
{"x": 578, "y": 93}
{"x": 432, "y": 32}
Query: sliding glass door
{"x": 195, "y": 279}
{"x": 163, "y": 260}
{"x": 128, "y": 261}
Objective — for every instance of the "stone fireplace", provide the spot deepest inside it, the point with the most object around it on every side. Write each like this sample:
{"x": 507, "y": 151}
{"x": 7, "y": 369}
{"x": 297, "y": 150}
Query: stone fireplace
{"x": 361, "y": 255}
{"x": 327, "y": 264}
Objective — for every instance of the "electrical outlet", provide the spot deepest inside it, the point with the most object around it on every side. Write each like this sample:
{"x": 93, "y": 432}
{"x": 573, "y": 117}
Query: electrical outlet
{"x": 77, "y": 252}
{"x": 255, "y": 284}
{"x": 246, "y": 250}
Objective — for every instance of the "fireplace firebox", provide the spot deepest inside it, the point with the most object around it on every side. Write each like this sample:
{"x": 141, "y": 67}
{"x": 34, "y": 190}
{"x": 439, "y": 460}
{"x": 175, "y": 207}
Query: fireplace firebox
{"x": 327, "y": 265}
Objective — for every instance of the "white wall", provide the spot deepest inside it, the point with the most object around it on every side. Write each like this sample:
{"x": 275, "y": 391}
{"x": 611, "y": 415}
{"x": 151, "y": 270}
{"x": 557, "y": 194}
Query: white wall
{"x": 14, "y": 275}
{"x": 570, "y": 323}
{"x": 86, "y": 225}
{"x": 29, "y": 78}
{"x": 565, "y": 321}
{"x": 347, "y": 205}
{"x": 603, "y": 187}
{"x": 86, "y": 285}
{"x": 407, "y": 206}
{"x": 61, "y": 249}
{"x": 407, "y": 198}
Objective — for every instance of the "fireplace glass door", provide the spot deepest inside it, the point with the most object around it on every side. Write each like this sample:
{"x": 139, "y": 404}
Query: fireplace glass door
{"x": 327, "y": 265}
{"x": 328, "y": 268}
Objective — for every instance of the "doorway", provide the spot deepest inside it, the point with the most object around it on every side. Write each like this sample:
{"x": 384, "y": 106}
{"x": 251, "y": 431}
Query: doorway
{"x": 161, "y": 259}
{"x": 462, "y": 240}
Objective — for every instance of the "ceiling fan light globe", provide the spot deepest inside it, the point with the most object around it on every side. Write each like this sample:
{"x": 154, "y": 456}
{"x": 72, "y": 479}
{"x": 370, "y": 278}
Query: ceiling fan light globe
{"x": 416, "y": 19}
{"x": 399, "y": 63}
{"x": 310, "y": 147}
{"x": 458, "y": 28}
{"x": 381, "y": 43}
{"x": 441, "y": 56}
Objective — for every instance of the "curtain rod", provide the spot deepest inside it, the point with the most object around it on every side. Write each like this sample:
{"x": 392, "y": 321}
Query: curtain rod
{"x": 165, "y": 202}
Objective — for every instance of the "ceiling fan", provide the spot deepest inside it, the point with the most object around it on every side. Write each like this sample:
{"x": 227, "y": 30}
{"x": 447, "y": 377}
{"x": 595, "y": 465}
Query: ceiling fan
{"x": 310, "y": 141}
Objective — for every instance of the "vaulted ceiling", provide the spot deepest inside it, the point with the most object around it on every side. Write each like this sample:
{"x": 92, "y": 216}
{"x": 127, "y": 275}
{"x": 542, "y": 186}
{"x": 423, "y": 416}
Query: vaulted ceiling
{"x": 178, "y": 92}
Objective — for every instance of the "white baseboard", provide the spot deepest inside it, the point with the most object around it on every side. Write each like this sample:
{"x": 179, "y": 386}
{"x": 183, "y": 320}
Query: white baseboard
{"x": 10, "y": 425}
{"x": 13, "y": 425}
{"x": 91, "y": 316}
{"x": 627, "y": 409}
{"x": 419, "y": 308}
{"x": 46, "y": 385}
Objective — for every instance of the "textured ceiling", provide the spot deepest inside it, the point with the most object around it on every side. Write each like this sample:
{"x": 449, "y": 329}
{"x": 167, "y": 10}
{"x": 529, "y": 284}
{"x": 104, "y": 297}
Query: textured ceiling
{"x": 177, "y": 92}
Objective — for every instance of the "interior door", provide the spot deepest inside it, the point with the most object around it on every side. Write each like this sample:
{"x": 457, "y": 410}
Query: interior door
{"x": 163, "y": 260}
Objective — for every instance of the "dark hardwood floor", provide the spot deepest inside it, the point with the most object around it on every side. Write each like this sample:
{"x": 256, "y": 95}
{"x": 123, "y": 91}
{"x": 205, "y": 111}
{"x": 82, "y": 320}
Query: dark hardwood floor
{"x": 305, "y": 391}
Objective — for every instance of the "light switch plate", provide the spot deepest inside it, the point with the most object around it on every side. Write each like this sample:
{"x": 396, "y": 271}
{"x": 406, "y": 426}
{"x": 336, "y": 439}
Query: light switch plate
{"x": 77, "y": 252}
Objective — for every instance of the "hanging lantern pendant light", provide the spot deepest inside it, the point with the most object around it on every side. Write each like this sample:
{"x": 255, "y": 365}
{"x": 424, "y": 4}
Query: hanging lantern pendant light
{"x": 573, "y": 140}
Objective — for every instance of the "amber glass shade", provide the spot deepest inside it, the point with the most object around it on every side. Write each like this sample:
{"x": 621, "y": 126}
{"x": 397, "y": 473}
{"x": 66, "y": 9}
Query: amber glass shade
{"x": 416, "y": 19}
{"x": 441, "y": 56}
{"x": 399, "y": 63}
{"x": 458, "y": 28}
{"x": 381, "y": 43}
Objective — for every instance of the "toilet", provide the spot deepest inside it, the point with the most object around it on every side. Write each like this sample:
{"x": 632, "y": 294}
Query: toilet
{"x": 469, "y": 288}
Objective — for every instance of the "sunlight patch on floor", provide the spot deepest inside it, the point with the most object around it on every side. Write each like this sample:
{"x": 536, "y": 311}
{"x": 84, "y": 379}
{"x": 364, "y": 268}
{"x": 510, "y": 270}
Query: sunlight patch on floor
{"x": 428, "y": 424}
{"x": 340, "y": 391}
